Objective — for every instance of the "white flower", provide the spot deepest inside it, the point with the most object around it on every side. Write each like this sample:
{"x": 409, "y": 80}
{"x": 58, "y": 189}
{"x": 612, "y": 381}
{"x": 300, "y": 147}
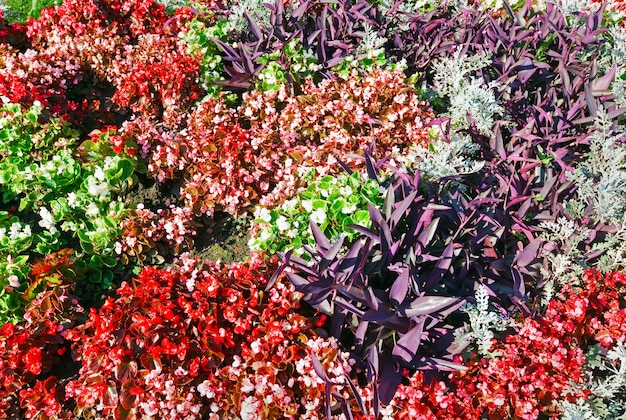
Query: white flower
{"x": 96, "y": 189}
{"x": 319, "y": 216}
{"x": 307, "y": 204}
{"x": 348, "y": 209}
{"x": 14, "y": 281}
{"x": 282, "y": 223}
{"x": 47, "y": 221}
{"x": 71, "y": 199}
{"x": 265, "y": 235}
{"x": 345, "y": 191}
{"x": 92, "y": 210}
{"x": 264, "y": 214}
{"x": 14, "y": 231}
{"x": 99, "y": 174}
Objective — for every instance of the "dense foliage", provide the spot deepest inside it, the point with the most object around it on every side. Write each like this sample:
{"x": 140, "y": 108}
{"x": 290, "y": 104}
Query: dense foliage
{"x": 435, "y": 194}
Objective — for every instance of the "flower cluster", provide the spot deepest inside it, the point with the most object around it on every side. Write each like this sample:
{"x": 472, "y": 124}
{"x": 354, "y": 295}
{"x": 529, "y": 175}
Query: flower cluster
{"x": 150, "y": 236}
{"x": 331, "y": 202}
{"x": 28, "y": 351}
{"x": 156, "y": 78}
{"x": 232, "y": 159}
{"x": 154, "y": 348}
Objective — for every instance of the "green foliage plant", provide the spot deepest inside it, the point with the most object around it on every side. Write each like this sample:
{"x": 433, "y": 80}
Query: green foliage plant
{"x": 21, "y": 10}
{"x": 200, "y": 41}
{"x": 55, "y": 193}
{"x": 332, "y": 202}
{"x": 302, "y": 64}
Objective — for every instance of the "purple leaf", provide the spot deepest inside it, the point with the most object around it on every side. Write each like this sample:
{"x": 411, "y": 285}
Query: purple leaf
{"x": 390, "y": 378}
{"x": 427, "y": 305}
{"x": 604, "y": 82}
{"x": 528, "y": 254}
{"x": 407, "y": 345}
{"x": 279, "y": 270}
{"x": 254, "y": 28}
{"x": 330, "y": 255}
{"x": 321, "y": 240}
{"x": 400, "y": 287}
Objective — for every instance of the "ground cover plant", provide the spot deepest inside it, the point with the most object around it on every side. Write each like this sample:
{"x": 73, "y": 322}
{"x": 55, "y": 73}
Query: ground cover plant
{"x": 433, "y": 196}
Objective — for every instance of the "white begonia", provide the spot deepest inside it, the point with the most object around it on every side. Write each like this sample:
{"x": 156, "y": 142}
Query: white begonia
{"x": 92, "y": 210}
{"x": 264, "y": 214}
{"x": 71, "y": 199}
{"x": 99, "y": 174}
{"x": 15, "y": 230}
{"x": 307, "y": 205}
{"x": 319, "y": 216}
{"x": 100, "y": 190}
{"x": 290, "y": 205}
{"x": 14, "y": 281}
{"x": 282, "y": 223}
{"x": 348, "y": 208}
{"x": 47, "y": 221}
{"x": 345, "y": 191}
{"x": 265, "y": 235}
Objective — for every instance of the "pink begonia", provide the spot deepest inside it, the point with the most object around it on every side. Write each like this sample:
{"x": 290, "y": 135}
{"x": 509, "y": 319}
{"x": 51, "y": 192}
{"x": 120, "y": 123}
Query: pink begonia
{"x": 230, "y": 159}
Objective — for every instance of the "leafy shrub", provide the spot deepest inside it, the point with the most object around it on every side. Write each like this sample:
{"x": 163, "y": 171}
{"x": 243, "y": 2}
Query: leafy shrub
{"x": 394, "y": 292}
{"x": 59, "y": 194}
{"x": 232, "y": 159}
{"x": 29, "y": 351}
{"x": 200, "y": 340}
{"x": 20, "y": 10}
{"x": 333, "y": 203}
{"x": 148, "y": 237}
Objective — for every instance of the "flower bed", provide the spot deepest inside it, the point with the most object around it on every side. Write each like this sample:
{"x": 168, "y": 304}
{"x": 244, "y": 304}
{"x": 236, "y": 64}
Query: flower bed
{"x": 433, "y": 196}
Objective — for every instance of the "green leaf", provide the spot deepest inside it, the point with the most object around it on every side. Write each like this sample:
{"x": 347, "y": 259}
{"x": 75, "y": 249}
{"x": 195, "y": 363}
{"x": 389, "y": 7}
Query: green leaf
{"x": 95, "y": 277}
{"x": 361, "y": 216}
{"x": 32, "y": 116}
{"x": 87, "y": 247}
{"x": 96, "y": 261}
{"x": 319, "y": 204}
{"x": 337, "y": 205}
{"x": 108, "y": 261}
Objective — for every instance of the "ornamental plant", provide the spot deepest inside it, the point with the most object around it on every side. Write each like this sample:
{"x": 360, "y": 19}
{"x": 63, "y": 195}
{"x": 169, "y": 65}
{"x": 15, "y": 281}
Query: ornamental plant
{"x": 334, "y": 203}
{"x": 29, "y": 351}
{"x": 203, "y": 340}
{"x": 68, "y": 197}
{"x": 257, "y": 154}
{"x": 394, "y": 291}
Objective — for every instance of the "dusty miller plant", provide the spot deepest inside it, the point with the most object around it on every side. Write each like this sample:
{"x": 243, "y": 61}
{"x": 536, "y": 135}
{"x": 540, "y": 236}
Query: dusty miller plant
{"x": 172, "y": 5}
{"x": 567, "y": 265}
{"x": 256, "y": 9}
{"x": 441, "y": 158}
{"x": 467, "y": 94}
{"x": 601, "y": 176}
{"x": 614, "y": 54}
{"x": 607, "y": 394}
{"x": 482, "y": 322}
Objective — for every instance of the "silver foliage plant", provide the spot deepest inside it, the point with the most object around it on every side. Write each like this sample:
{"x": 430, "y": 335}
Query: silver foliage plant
{"x": 601, "y": 175}
{"x": 600, "y": 178}
{"x": 467, "y": 94}
{"x": 566, "y": 266}
{"x": 482, "y": 322}
{"x": 172, "y": 5}
{"x": 606, "y": 401}
{"x": 256, "y": 9}
{"x": 441, "y": 158}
